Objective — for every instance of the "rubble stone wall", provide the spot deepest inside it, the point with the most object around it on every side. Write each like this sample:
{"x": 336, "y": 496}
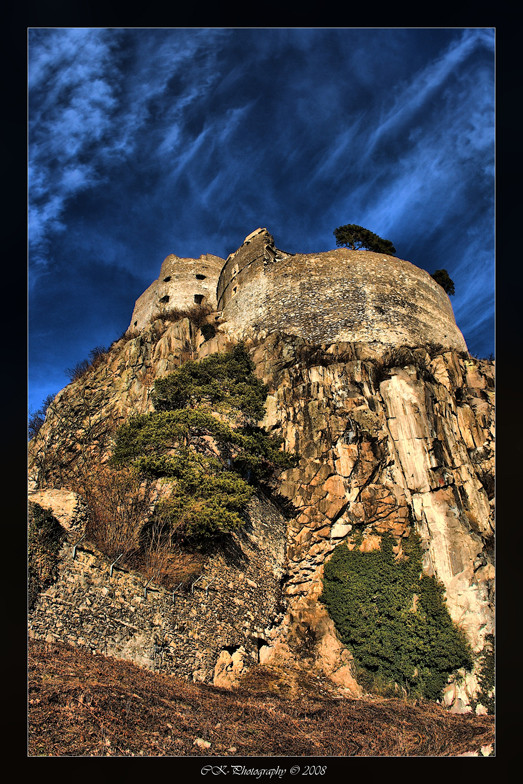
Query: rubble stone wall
{"x": 195, "y": 631}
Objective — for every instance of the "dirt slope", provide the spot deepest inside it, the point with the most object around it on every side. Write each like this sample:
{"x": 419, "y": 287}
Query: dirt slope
{"x": 82, "y": 704}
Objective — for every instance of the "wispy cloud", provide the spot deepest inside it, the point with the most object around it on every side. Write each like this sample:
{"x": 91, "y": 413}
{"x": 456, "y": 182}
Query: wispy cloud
{"x": 146, "y": 142}
{"x": 415, "y": 94}
{"x": 70, "y": 104}
{"x": 428, "y": 158}
{"x": 86, "y": 115}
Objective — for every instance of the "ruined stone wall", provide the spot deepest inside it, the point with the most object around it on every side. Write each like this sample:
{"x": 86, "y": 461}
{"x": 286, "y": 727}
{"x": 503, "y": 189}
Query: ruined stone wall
{"x": 339, "y": 295}
{"x": 182, "y": 283}
{"x": 210, "y": 632}
{"x": 245, "y": 266}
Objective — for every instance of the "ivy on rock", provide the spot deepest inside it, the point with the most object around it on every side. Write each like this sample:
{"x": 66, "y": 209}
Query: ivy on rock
{"x": 393, "y": 618}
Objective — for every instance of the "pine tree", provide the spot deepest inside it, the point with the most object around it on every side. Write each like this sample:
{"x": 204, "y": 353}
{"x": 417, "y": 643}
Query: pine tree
{"x": 445, "y": 281}
{"x": 358, "y": 238}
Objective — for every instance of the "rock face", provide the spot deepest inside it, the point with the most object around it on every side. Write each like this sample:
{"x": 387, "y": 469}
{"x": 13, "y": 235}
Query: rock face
{"x": 84, "y": 415}
{"x": 385, "y": 445}
{"x": 392, "y": 433}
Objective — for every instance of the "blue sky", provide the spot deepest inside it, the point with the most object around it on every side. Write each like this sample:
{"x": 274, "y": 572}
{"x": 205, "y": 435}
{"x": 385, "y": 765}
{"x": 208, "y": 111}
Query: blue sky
{"x": 145, "y": 142}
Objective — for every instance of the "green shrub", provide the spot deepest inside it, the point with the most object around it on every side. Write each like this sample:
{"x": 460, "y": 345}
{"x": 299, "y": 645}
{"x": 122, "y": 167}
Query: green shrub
{"x": 162, "y": 431}
{"x": 206, "y": 506}
{"x": 445, "y": 281}
{"x": 226, "y": 381}
{"x": 393, "y": 618}
{"x": 487, "y": 675}
{"x": 357, "y": 237}
{"x": 204, "y": 439}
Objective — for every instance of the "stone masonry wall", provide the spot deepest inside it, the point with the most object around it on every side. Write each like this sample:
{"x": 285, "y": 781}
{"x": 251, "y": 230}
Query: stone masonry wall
{"x": 342, "y": 295}
{"x": 209, "y": 632}
{"x": 245, "y": 265}
{"x": 182, "y": 283}
{"x": 339, "y": 295}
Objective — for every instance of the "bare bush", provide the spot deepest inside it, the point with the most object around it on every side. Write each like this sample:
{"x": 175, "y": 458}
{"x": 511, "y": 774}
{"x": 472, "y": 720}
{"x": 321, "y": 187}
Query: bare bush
{"x": 170, "y": 567}
{"x": 96, "y": 357}
{"x": 433, "y": 349}
{"x": 401, "y": 357}
{"x": 37, "y": 418}
{"x": 161, "y": 559}
{"x": 78, "y": 371}
{"x": 119, "y": 503}
{"x": 128, "y": 334}
{"x": 121, "y": 521}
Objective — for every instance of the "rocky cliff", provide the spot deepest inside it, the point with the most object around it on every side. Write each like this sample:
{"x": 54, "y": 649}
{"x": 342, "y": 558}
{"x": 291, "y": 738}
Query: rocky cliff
{"x": 387, "y": 441}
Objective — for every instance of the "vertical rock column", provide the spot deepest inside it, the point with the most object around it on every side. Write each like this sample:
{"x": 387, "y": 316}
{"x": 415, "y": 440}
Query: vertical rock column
{"x": 380, "y": 456}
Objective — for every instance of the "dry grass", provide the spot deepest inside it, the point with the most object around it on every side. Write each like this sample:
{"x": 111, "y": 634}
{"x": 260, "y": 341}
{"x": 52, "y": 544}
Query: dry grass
{"x": 82, "y": 704}
{"x": 168, "y": 567}
{"x": 120, "y": 504}
{"x": 196, "y": 314}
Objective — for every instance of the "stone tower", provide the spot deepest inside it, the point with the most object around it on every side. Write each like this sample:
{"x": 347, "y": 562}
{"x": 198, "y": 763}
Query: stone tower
{"x": 182, "y": 283}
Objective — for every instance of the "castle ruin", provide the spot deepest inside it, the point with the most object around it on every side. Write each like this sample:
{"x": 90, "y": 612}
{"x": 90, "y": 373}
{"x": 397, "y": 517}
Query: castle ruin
{"x": 336, "y": 296}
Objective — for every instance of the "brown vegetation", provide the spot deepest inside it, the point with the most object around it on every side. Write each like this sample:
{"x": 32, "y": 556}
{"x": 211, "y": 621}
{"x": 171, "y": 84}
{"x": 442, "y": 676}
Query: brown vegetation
{"x": 82, "y": 704}
{"x": 167, "y": 565}
{"x": 120, "y": 506}
{"x": 97, "y": 355}
{"x": 119, "y": 503}
{"x": 196, "y": 314}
